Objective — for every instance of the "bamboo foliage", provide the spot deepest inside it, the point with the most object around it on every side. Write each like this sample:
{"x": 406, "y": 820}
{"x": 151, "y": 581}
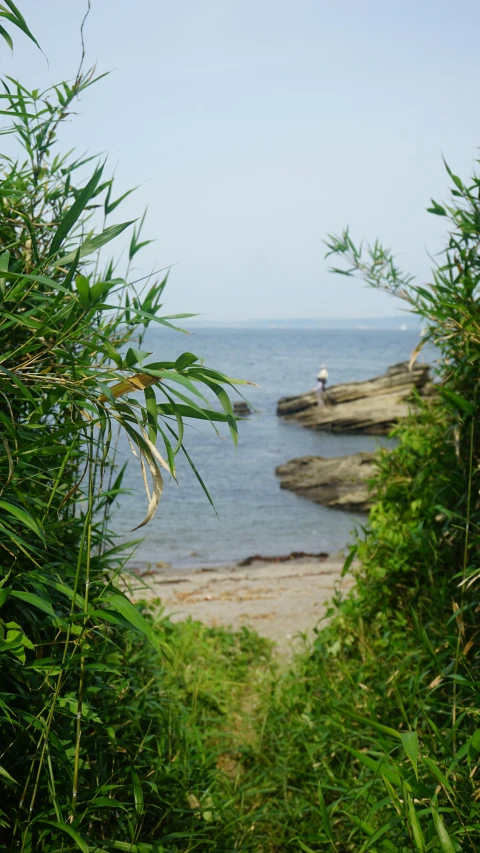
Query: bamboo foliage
{"x": 73, "y": 372}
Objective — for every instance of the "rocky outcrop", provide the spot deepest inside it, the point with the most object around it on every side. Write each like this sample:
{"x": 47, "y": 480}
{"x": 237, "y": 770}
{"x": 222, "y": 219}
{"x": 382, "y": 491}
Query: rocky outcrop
{"x": 370, "y": 407}
{"x": 340, "y": 482}
{"x": 241, "y": 408}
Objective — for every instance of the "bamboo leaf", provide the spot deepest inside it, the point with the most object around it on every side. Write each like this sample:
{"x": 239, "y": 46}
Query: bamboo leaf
{"x": 435, "y": 771}
{"x": 23, "y": 516}
{"x": 415, "y": 824}
{"x": 106, "y": 802}
{"x": 110, "y": 206}
{"x": 458, "y": 401}
{"x": 83, "y": 290}
{"x": 185, "y": 360}
{"x": 4, "y": 33}
{"x": 379, "y": 727}
{"x": 7, "y": 776}
{"x": 93, "y": 244}
{"x": 137, "y": 792}
{"x": 410, "y": 745}
{"x": 69, "y": 830}
{"x": 120, "y": 604}
{"x": 18, "y": 20}
{"x": 380, "y": 768}
{"x": 445, "y": 841}
{"x": 76, "y": 210}
{"x": 34, "y": 600}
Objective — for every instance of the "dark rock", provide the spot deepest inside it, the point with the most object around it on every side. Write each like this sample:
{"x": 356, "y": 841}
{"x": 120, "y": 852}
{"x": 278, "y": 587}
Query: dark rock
{"x": 241, "y": 408}
{"x": 283, "y": 558}
{"x": 340, "y": 481}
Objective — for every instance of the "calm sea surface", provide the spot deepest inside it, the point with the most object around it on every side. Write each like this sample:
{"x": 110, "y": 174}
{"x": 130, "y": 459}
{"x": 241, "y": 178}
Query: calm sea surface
{"x": 254, "y": 515}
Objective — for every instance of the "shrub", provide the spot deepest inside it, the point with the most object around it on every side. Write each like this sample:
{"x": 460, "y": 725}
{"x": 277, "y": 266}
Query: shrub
{"x": 89, "y": 736}
{"x": 371, "y": 741}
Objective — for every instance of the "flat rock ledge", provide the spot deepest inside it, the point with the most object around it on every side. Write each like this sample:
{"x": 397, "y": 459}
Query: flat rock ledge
{"x": 340, "y": 481}
{"x": 370, "y": 407}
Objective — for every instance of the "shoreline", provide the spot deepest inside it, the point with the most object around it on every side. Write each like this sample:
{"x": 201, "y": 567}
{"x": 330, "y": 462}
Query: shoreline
{"x": 282, "y": 598}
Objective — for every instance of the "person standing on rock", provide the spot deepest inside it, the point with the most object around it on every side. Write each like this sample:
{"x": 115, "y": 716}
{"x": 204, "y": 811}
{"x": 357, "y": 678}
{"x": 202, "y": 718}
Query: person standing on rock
{"x": 321, "y": 384}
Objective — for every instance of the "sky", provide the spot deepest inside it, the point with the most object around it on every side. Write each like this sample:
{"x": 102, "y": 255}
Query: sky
{"x": 253, "y": 128}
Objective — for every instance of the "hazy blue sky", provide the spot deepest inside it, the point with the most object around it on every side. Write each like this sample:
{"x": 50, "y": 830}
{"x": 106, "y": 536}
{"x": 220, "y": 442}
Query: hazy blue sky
{"x": 256, "y": 126}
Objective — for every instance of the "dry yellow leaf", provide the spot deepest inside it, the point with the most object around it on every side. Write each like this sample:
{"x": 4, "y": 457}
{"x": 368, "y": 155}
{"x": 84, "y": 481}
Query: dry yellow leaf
{"x": 134, "y": 383}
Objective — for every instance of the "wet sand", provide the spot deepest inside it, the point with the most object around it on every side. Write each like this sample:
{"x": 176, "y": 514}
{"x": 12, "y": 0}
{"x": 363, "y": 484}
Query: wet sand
{"x": 280, "y": 600}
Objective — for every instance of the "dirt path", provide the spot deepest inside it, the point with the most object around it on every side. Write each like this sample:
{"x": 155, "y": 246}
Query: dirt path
{"x": 279, "y": 600}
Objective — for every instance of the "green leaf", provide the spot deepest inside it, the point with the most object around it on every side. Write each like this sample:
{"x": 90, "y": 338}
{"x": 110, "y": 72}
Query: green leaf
{"x": 135, "y": 356}
{"x": 110, "y": 206}
{"x": 393, "y": 795}
{"x": 304, "y": 846}
{"x": 18, "y": 382}
{"x": 4, "y": 261}
{"x": 415, "y": 824}
{"x": 4, "y": 33}
{"x": 99, "y": 291}
{"x": 112, "y": 352}
{"x": 474, "y": 741}
{"x": 6, "y": 775}
{"x": 139, "y": 847}
{"x": 92, "y": 244}
{"x": 83, "y": 290}
{"x": 34, "y": 600}
{"x": 348, "y": 562}
{"x": 173, "y": 376}
{"x": 457, "y": 181}
{"x": 18, "y": 20}
{"x": 23, "y": 516}
{"x": 381, "y": 832}
{"x": 120, "y": 604}
{"x": 324, "y": 814}
{"x": 134, "y": 246}
{"x": 372, "y": 724}
{"x": 106, "y": 391}
{"x": 65, "y": 827}
{"x": 185, "y": 360}
{"x": 458, "y": 401}
{"x": 137, "y": 792}
{"x": 426, "y": 642}
{"x": 227, "y": 407}
{"x": 425, "y": 293}
{"x": 435, "y": 771}
{"x": 410, "y": 745}
{"x": 377, "y": 767}
{"x": 445, "y": 841}
{"x": 75, "y": 212}
{"x": 437, "y": 209}
{"x": 106, "y": 802}
{"x": 151, "y": 407}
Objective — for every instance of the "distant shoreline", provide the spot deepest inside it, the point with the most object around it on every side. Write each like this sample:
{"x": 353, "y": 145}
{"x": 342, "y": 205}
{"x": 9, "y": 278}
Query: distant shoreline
{"x": 400, "y": 324}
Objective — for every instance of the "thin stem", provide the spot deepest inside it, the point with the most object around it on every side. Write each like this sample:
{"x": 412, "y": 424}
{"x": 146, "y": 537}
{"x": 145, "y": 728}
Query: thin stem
{"x": 460, "y": 622}
{"x": 82, "y": 661}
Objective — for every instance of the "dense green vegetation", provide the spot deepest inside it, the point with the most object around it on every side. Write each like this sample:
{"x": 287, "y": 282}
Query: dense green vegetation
{"x": 122, "y": 731}
{"x": 82, "y": 692}
{"x": 371, "y": 741}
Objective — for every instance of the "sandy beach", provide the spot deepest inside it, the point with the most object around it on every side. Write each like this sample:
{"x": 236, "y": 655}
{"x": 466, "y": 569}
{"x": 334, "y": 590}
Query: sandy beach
{"x": 280, "y": 600}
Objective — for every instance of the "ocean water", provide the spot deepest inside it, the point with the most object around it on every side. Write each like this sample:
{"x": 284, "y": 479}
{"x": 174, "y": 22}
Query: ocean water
{"x": 254, "y": 516}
